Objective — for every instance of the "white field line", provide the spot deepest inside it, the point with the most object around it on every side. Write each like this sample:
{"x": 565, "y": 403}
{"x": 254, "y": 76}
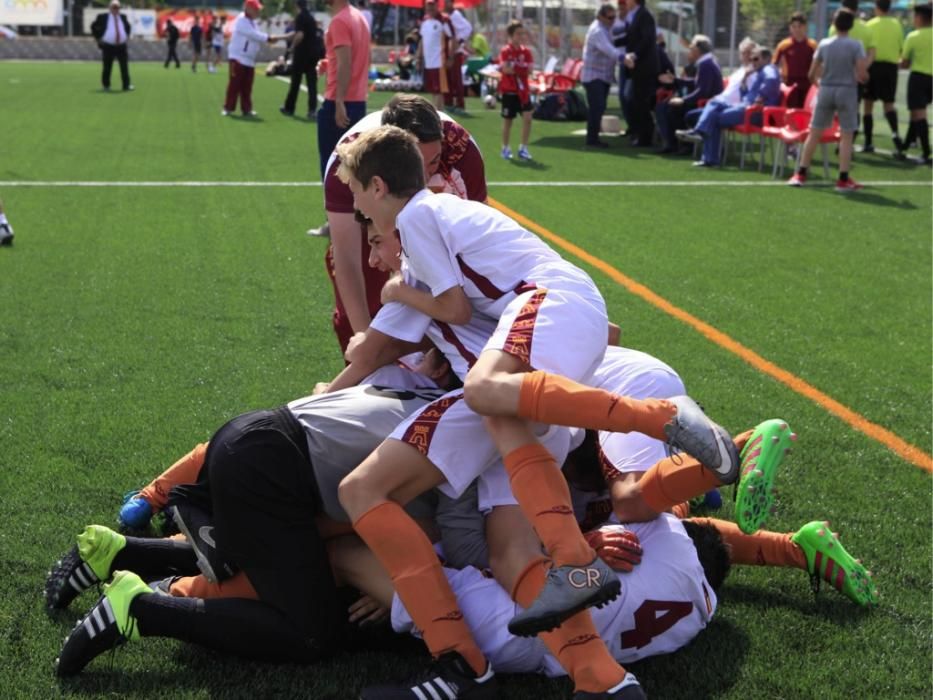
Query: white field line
{"x": 513, "y": 183}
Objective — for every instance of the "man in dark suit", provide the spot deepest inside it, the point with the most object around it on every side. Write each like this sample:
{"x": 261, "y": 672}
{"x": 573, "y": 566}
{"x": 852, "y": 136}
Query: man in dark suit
{"x": 171, "y": 38}
{"x": 306, "y": 52}
{"x": 112, "y": 31}
{"x": 641, "y": 61}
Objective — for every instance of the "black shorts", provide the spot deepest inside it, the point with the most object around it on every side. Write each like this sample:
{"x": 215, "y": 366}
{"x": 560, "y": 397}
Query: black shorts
{"x": 196, "y": 46}
{"x": 882, "y": 82}
{"x": 512, "y": 105}
{"x": 264, "y": 499}
{"x": 919, "y": 90}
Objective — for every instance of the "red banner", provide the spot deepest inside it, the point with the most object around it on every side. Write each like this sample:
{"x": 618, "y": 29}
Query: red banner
{"x": 184, "y": 20}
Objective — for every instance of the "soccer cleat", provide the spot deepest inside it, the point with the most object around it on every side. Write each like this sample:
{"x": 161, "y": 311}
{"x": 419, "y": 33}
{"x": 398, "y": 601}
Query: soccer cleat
{"x": 287, "y": 112}
{"x": 6, "y": 232}
{"x": 867, "y": 148}
{"x": 691, "y": 431}
{"x": 523, "y": 153}
{"x": 323, "y": 231}
{"x": 107, "y": 625}
{"x": 567, "y": 590}
{"x": 849, "y": 185}
{"x": 797, "y": 180}
{"x": 87, "y": 564}
{"x": 628, "y": 689}
{"x": 761, "y": 457}
{"x": 225, "y": 112}
{"x": 449, "y": 678}
{"x": 506, "y": 153}
{"x": 135, "y": 512}
{"x": 828, "y": 560}
{"x": 197, "y": 528}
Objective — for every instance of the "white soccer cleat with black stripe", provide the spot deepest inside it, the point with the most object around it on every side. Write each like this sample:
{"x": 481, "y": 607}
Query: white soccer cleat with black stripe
{"x": 450, "y": 677}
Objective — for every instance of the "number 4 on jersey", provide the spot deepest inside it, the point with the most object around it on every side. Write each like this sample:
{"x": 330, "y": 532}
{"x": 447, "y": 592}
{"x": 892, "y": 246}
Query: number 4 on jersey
{"x": 653, "y": 618}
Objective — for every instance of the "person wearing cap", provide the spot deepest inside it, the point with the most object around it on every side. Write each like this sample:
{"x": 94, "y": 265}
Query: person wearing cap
{"x": 346, "y": 45}
{"x": 112, "y": 31}
{"x": 244, "y": 46}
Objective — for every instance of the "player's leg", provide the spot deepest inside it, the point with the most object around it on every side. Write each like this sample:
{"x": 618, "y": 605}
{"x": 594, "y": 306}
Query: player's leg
{"x": 815, "y": 548}
{"x": 868, "y": 119}
{"x": 523, "y": 152}
{"x": 497, "y": 386}
{"x": 506, "y": 134}
{"x": 373, "y": 495}
{"x": 140, "y": 506}
{"x": 517, "y": 563}
{"x": 129, "y": 610}
{"x": 99, "y": 551}
{"x": 890, "y": 111}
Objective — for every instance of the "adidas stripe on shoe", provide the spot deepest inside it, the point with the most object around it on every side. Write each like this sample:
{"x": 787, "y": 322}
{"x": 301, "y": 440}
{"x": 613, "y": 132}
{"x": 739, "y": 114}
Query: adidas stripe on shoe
{"x": 86, "y": 565}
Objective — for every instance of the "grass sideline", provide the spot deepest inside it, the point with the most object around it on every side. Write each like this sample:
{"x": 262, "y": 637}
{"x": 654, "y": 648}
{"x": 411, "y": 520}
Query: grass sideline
{"x": 135, "y": 321}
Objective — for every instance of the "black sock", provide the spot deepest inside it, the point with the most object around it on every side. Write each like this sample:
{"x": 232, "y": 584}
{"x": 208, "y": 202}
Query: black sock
{"x": 843, "y": 176}
{"x": 911, "y": 135}
{"x": 247, "y": 628}
{"x": 924, "y": 133}
{"x": 869, "y": 122}
{"x": 155, "y": 558}
{"x": 892, "y": 122}
{"x": 802, "y": 171}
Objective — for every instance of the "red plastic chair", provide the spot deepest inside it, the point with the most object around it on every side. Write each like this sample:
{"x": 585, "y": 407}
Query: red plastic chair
{"x": 794, "y": 130}
{"x": 747, "y": 129}
{"x": 542, "y": 84}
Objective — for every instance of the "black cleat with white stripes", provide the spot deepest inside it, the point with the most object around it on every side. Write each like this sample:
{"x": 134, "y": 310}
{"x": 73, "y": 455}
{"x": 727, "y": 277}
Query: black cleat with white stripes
{"x": 94, "y": 634}
{"x": 69, "y": 578}
{"x": 450, "y": 677}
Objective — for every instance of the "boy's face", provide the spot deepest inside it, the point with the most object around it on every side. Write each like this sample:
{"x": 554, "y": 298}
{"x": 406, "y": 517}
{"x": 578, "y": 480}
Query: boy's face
{"x": 431, "y": 155}
{"x": 798, "y": 30}
{"x": 385, "y": 251}
{"x": 518, "y": 37}
{"x": 365, "y": 199}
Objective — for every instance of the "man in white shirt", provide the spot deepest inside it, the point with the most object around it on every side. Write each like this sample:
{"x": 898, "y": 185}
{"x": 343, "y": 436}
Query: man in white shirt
{"x": 244, "y": 46}
{"x": 433, "y": 52}
{"x": 112, "y": 30}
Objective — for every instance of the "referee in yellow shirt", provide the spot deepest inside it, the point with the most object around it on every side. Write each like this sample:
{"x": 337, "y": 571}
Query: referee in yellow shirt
{"x": 918, "y": 56}
{"x": 887, "y": 38}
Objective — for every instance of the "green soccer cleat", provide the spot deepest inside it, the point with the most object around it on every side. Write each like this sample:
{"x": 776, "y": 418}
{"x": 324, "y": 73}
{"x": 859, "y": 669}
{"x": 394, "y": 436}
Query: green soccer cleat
{"x": 761, "y": 457}
{"x": 828, "y": 560}
{"x": 87, "y": 564}
{"x": 107, "y": 625}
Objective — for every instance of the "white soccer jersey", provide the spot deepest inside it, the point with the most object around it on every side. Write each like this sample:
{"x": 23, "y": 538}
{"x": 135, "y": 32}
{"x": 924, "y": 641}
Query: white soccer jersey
{"x": 665, "y": 603}
{"x": 344, "y": 427}
{"x": 433, "y": 34}
{"x": 461, "y": 345}
{"x": 447, "y": 241}
{"x": 245, "y": 41}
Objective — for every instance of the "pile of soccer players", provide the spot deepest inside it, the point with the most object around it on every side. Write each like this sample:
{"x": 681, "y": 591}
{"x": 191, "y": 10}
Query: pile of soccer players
{"x": 488, "y": 469}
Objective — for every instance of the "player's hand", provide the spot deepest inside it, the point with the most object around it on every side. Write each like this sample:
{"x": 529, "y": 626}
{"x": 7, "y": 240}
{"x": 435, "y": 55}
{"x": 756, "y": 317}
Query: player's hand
{"x": 340, "y": 114}
{"x": 320, "y": 388}
{"x": 675, "y": 101}
{"x": 390, "y": 290}
{"x": 616, "y": 546}
{"x": 367, "y": 611}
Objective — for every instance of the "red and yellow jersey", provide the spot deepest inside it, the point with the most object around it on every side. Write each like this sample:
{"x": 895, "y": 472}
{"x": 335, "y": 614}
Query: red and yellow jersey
{"x": 794, "y": 57}
{"x": 519, "y": 58}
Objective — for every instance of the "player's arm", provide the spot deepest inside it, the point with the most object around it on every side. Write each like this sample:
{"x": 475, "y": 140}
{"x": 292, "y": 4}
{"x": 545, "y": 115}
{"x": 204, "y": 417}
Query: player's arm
{"x": 450, "y": 306}
{"x": 861, "y": 70}
{"x": 375, "y": 350}
{"x": 347, "y": 245}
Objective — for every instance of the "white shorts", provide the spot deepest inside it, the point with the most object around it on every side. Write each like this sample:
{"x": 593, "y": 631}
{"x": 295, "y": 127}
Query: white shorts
{"x": 563, "y": 331}
{"x": 455, "y": 440}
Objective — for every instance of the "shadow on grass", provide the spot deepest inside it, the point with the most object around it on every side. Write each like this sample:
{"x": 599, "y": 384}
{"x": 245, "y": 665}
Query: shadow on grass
{"x": 866, "y": 196}
{"x": 828, "y": 605}
{"x": 575, "y": 143}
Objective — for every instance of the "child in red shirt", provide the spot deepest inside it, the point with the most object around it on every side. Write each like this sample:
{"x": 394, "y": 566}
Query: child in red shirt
{"x": 515, "y": 62}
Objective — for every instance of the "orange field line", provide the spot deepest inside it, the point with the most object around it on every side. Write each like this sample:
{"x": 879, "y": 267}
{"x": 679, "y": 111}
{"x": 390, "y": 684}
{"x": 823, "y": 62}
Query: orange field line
{"x": 903, "y": 448}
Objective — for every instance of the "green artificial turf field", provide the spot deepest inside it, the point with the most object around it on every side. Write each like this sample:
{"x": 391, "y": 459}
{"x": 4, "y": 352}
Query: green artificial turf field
{"x": 134, "y": 321}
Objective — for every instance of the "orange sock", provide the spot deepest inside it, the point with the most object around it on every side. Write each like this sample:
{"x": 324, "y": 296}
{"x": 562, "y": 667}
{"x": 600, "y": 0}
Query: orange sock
{"x": 763, "y": 548}
{"x": 184, "y": 471}
{"x": 674, "y": 480}
{"x": 407, "y": 555}
{"x": 199, "y": 587}
{"x": 541, "y": 491}
{"x": 575, "y": 644}
{"x": 553, "y": 399}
